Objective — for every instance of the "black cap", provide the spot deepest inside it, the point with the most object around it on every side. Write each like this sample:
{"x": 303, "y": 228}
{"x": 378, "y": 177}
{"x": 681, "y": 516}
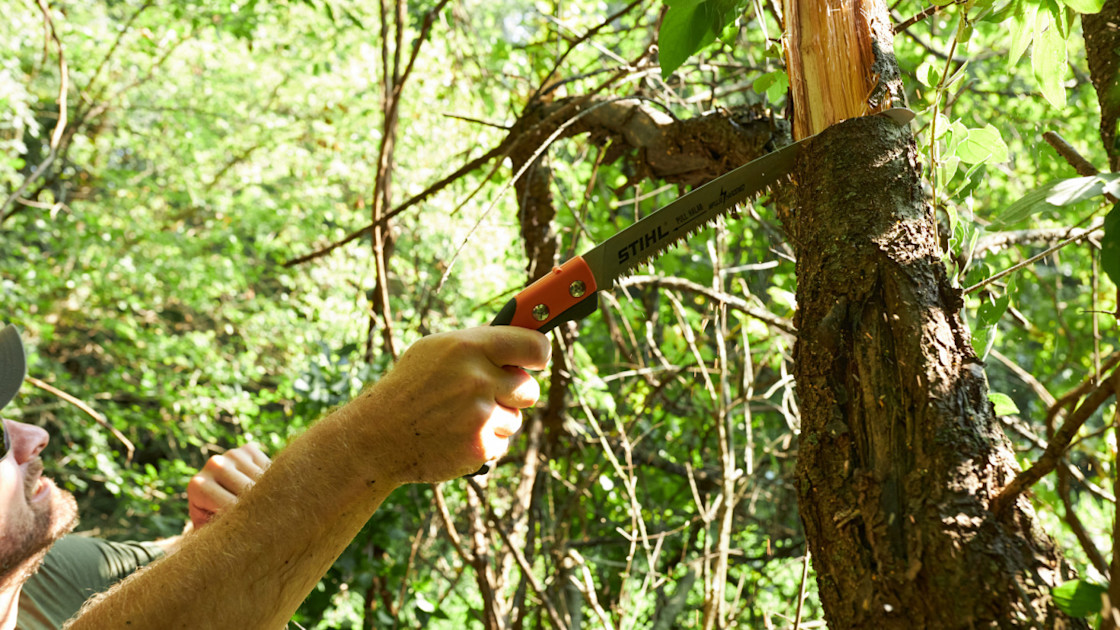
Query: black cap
{"x": 13, "y": 364}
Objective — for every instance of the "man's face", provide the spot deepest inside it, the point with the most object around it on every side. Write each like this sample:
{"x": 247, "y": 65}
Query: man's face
{"x": 34, "y": 512}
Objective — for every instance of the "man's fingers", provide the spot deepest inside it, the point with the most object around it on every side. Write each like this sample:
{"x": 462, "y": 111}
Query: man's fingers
{"x": 517, "y": 389}
{"x": 255, "y": 455}
{"x": 502, "y": 425}
{"x": 232, "y": 471}
{"x": 247, "y": 459}
{"x": 510, "y": 345}
{"x": 207, "y": 494}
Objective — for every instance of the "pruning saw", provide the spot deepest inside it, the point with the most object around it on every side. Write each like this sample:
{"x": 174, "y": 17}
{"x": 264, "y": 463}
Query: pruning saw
{"x": 568, "y": 292}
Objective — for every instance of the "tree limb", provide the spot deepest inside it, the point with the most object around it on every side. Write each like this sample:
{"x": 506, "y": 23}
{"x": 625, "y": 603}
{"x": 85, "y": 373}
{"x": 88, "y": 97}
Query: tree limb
{"x": 1058, "y": 444}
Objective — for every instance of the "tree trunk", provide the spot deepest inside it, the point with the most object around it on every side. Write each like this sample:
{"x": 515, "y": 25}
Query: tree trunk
{"x": 900, "y": 452}
{"x": 1102, "y": 36}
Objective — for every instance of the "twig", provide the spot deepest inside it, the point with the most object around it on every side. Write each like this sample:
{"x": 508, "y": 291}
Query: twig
{"x": 801, "y": 591}
{"x": 60, "y": 125}
{"x": 1075, "y": 159}
{"x": 587, "y": 587}
{"x": 1075, "y": 525}
{"x": 545, "y": 83}
{"x": 1048, "y": 236}
{"x": 498, "y": 151}
{"x": 526, "y": 569}
{"x": 63, "y": 75}
{"x": 128, "y": 445}
{"x": 1057, "y": 445}
{"x": 1029, "y": 261}
{"x": 732, "y": 302}
{"x": 544, "y": 145}
{"x": 923, "y": 14}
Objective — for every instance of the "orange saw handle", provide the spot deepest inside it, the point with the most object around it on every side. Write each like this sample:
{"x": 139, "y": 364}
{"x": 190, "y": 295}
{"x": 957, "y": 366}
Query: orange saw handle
{"x": 567, "y": 293}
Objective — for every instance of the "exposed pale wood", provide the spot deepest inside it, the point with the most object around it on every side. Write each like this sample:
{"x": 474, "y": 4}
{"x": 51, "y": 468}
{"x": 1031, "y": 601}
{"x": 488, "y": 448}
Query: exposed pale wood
{"x": 829, "y": 45}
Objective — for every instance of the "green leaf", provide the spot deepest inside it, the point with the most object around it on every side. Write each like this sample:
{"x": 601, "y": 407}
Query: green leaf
{"x": 1110, "y": 245}
{"x": 1005, "y": 11}
{"x": 688, "y": 27}
{"x": 1003, "y": 404}
{"x": 1059, "y": 193}
{"x": 1048, "y": 59}
{"x": 773, "y": 84}
{"x": 1022, "y": 31}
{"x": 1079, "y": 598}
{"x": 1032, "y": 202}
{"x": 982, "y": 145}
{"x": 927, "y": 73}
{"x": 1085, "y": 6}
{"x": 1069, "y": 191}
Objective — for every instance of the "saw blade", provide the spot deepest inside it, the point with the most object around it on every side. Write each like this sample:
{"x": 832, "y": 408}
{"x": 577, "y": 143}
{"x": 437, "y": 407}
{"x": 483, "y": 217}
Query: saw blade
{"x": 649, "y": 237}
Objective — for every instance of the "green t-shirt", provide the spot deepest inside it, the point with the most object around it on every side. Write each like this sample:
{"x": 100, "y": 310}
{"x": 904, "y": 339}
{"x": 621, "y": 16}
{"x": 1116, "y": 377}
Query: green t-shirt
{"x": 75, "y": 569}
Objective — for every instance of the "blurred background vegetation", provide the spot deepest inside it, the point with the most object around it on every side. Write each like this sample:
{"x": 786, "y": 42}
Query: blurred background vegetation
{"x": 163, "y": 249}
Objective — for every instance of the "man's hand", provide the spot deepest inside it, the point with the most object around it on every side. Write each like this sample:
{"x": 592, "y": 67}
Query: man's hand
{"x": 222, "y": 479}
{"x": 454, "y": 400}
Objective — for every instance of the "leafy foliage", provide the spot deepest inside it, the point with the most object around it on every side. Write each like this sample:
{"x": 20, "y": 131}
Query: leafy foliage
{"x": 211, "y": 142}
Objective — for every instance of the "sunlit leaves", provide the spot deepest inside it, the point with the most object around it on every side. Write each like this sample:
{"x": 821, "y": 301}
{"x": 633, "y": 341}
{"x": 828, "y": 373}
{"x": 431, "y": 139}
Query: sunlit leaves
{"x": 1110, "y": 246}
{"x": 1002, "y": 404}
{"x": 1085, "y": 6}
{"x": 772, "y": 84}
{"x": 689, "y": 26}
{"x": 1048, "y": 24}
{"x": 1080, "y": 598}
{"x": 974, "y": 146}
{"x": 987, "y": 321}
{"x": 1048, "y": 59}
{"x": 1056, "y": 194}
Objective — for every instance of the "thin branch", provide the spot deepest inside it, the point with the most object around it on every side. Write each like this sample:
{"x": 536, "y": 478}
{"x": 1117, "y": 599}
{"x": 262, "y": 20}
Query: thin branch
{"x": 1076, "y": 526}
{"x": 1083, "y": 166}
{"x": 732, "y": 302}
{"x": 124, "y": 29}
{"x": 1030, "y": 261}
{"x": 546, "y": 83}
{"x": 801, "y": 590}
{"x": 63, "y": 75}
{"x": 98, "y": 418}
{"x": 1048, "y": 236}
{"x": 526, "y": 569}
{"x": 473, "y": 165}
{"x": 922, "y": 15}
{"x": 1058, "y": 444}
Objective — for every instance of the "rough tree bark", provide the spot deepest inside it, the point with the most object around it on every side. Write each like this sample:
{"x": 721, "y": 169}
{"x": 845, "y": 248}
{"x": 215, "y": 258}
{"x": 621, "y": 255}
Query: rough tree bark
{"x": 900, "y": 451}
{"x": 1102, "y": 36}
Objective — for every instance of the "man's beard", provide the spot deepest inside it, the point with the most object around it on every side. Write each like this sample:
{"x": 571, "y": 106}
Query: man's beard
{"x": 23, "y": 549}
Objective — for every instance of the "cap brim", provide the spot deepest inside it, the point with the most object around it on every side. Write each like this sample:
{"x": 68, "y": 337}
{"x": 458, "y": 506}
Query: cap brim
{"x": 13, "y": 364}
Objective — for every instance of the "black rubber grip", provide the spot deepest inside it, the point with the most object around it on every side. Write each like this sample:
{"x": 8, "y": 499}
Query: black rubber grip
{"x": 583, "y": 308}
{"x": 505, "y": 316}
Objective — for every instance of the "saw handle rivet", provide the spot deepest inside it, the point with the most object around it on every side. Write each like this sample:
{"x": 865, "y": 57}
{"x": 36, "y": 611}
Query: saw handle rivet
{"x": 577, "y": 289}
{"x": 540, "y": 312}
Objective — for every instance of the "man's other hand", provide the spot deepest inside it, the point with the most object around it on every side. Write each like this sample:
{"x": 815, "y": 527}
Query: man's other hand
{"x": 222, "y": 480}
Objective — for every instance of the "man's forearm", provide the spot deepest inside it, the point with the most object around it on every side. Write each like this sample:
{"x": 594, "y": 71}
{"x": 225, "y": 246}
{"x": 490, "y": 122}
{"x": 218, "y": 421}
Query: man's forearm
{"x": 451, "y": 403}
{"x": 252, "y": 567}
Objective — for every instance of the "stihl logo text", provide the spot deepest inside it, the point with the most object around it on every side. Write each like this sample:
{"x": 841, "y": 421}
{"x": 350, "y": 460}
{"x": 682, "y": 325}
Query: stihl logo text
{"x": 641, "y": 244}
